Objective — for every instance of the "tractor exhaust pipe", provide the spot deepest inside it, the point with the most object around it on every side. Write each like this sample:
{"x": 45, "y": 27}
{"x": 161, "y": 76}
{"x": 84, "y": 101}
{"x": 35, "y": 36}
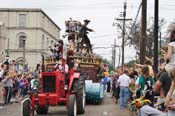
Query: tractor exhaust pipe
{"x": 43, "y": 65}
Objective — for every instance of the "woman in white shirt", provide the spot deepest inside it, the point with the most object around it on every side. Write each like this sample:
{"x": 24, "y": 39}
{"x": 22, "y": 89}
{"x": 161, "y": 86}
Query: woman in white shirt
{"x": 170, "y": 98}
{"x": 170, "y": 57}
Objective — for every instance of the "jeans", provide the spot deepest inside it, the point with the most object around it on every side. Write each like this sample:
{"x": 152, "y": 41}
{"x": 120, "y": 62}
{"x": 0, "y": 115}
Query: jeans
{"x": 8, "y": 94}
{"x": 150, "y": 111}
{"x": 124, "y": 95}
{"x": 104, "y": 87}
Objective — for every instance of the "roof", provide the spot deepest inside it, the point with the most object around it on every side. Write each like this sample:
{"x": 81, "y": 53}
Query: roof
{"x": 28, "y": 10}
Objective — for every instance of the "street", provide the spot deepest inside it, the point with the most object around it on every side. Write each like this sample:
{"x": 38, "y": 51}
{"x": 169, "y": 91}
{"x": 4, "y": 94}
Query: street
{"x": 107, "y": 108}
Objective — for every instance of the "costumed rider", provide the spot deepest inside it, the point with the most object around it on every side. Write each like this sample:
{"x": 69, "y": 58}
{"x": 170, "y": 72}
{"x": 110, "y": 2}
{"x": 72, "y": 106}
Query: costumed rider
{"x": 83, "y": 34}
{"x": 57, "y": 50}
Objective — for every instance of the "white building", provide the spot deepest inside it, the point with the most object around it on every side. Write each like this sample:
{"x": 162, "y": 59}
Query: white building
{"x": 28, "y": 32}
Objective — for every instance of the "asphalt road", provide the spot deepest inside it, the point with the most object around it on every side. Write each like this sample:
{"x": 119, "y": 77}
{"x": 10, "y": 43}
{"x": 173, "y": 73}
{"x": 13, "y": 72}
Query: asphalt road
{"x": 107, "y": 108}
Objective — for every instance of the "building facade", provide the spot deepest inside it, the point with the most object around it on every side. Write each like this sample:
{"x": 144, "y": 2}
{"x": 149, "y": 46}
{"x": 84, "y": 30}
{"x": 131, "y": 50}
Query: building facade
{"x": 28, "y": 33}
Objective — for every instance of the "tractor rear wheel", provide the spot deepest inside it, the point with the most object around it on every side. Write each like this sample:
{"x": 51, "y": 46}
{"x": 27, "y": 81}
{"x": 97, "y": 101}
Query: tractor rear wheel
{"x": 27, "y": 108}
{"x": 42, "y": 109}
{"x": 72, "y": 105}
{"x": 79, "y": 87}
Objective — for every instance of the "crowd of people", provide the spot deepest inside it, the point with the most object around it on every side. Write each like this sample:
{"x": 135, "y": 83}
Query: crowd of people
{"x": 130, "y": 83}
{"x": 15, "y": 83}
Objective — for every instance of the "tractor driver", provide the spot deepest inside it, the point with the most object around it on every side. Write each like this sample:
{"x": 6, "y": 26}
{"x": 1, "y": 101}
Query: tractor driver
{"x": 63, "y": 67}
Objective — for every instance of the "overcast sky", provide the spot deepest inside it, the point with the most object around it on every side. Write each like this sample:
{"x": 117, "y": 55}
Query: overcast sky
{"x": 100, "y": 12}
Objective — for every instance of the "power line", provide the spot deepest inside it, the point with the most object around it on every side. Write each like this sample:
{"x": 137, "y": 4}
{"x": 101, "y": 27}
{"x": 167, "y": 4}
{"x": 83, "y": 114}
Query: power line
{"x": 86, "y": 4}
{"x": 79, "y": 6}
{"x": 103, "y": 35}
{"x": 138, "y": 11}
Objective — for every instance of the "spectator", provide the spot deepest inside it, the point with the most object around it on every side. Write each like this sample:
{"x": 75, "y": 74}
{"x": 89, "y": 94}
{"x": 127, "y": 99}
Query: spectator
{"x": 124, "y": 82}
{"x": 117, "y": 88}
{"x": 162, "y": 86}
{"x": 26, "y": 68}
{"x": 8, "y": 87}
{"x": 170, "y": 57}
{"x": 114, "y": 83}
{"x": 150, "y": 111}
{"x": 170, "y": 60}
{"x": 170, "y": 98}
{"x": 15, "y": 87}
{"x": 108, "y": 83}
{"x": 22, "y": 87}
{"x": 104, "y": 80}
{"x": 1, "y": 84}
{"x": 146, "y": 83}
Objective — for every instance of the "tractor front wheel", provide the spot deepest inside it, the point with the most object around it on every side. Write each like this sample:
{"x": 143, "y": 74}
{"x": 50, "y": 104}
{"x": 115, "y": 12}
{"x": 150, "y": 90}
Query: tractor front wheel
{"x": 79, "y": 87}
{"x": 27, "y": 108}
{"x": 72, "y": 105}
{"x": 42, "y": 109}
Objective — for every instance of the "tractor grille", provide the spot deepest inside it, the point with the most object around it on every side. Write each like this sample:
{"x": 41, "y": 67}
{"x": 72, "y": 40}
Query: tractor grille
{"x": 49, "y": 84}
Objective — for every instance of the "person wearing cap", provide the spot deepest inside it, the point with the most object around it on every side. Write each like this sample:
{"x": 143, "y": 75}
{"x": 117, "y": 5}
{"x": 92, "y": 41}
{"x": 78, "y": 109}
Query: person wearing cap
{"x": 83, "y": 33}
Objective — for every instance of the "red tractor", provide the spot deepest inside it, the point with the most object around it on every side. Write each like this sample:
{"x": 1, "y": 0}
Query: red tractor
{"x": 53, "y": 92}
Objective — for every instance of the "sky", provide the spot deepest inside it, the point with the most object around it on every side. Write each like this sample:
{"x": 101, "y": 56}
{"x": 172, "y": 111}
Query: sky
{"x": 101, "y": 13}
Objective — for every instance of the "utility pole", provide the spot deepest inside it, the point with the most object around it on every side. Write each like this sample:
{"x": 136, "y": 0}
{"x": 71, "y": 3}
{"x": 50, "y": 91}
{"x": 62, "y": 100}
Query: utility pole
{"x": 114, "y": 54}
{"x": 156, "y": 27}
{"x": 123, "y": 32}
{"x": 119, "y": 56}
{"x": 143, "y": 32}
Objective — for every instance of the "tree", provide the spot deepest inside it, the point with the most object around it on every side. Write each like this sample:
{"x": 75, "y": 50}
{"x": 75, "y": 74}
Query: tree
{"x": 134, "y": 35}
{"x": 105, "y": 61}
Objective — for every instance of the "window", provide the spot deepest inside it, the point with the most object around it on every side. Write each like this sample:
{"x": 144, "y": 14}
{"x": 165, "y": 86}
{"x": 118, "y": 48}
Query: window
{"x": 42, "y": 42}
{"x": 47, "y": 42}
{"x": 51, "y": 42}
{"x": 43, "y": 21}
{"x": 22, "y": 40}
{"x": 22, "y": 20}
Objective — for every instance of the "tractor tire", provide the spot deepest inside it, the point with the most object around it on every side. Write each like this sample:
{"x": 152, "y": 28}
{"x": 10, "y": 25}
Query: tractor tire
{"x": 42, "y": 109}
{"x": 27, "y": 109}
{"x": 72, "y": 105}
{"x": 79, "y": 87}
